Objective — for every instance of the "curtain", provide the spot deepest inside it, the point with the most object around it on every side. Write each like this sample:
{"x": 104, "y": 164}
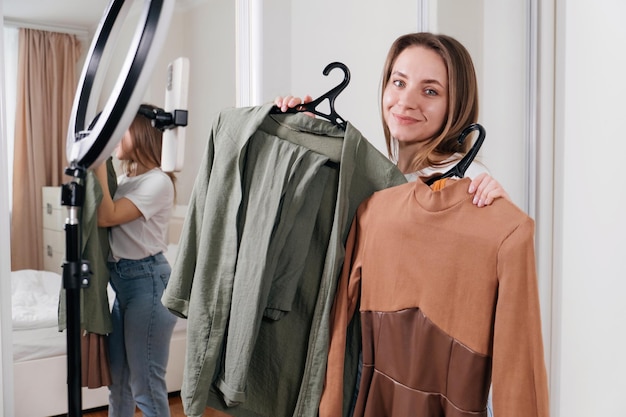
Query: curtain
{"x": 46, "y": 85}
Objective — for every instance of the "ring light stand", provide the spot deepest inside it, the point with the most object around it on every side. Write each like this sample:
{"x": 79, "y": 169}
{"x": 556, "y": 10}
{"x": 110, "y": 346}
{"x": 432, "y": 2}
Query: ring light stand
{"x": 89, "y": 146}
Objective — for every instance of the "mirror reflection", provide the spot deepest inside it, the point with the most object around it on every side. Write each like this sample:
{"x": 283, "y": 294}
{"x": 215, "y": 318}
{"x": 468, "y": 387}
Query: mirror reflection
{"x": 283, "y": 57}
{"x": 202, "y": 31}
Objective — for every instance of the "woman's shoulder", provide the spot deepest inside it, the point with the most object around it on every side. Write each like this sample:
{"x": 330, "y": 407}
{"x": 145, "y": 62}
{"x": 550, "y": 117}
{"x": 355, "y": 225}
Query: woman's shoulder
{"x": 153, "y": 181}
{"x": 155, "y": 174}
{"x": 159, "y": 179}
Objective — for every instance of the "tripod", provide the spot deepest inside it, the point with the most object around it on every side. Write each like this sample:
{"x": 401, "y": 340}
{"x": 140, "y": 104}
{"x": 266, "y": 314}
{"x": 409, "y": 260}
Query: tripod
{"x": 89, "y": 148}
{"x": 76, "y": 275}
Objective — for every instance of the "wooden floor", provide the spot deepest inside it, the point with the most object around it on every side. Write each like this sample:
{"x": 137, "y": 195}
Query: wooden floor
{"x": 176, "y": 410}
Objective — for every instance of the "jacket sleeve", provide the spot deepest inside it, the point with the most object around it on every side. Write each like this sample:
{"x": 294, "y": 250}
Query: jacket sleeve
{"x": 178, "y": 290}
{"x": 344, "y": 306}
{"x": 519, "y": 374}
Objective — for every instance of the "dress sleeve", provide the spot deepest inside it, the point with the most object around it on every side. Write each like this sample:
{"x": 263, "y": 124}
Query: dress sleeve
{"x": 344, "y": 306}
{"x": 519, "y": 375}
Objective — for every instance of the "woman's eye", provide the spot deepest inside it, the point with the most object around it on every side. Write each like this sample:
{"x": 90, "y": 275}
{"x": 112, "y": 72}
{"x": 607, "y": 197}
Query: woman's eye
{"x": 430, "y": 92}
{"x": 398, "y": 83}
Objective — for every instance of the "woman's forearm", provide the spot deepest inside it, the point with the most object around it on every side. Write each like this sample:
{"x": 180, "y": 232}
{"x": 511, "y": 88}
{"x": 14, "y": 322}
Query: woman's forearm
{"x": 106, "y": 207}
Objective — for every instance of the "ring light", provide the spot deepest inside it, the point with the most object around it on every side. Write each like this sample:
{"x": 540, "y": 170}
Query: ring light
{"x": 89, "y": 145}
{"x": 86, "y": 148}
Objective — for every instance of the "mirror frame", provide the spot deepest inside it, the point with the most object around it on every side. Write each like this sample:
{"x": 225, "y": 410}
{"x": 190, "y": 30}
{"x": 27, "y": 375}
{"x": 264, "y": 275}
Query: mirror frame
{"x": 538, "y": 126}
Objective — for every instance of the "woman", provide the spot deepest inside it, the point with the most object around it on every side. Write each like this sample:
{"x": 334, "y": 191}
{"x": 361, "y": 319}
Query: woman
{"x": 429, "y": 95}
{"x": 138, "y": 216}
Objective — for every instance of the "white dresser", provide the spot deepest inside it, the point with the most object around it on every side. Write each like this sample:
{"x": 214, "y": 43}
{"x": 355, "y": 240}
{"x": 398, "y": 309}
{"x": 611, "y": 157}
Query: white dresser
{"x": 54, "y": 215}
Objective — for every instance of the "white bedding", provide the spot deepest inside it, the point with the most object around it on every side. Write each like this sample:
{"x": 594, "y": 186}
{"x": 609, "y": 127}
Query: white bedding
{"x": 29, "y": 344}
{"x": 40, "y": 364}
{"x": 35, "y": 298}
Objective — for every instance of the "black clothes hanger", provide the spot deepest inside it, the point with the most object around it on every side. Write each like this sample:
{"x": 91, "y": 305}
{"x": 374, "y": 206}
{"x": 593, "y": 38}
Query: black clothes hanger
{"x": 331, "y": 95}
{"x": 459, "y": 169}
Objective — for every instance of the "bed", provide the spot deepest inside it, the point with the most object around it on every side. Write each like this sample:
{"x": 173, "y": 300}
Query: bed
{"x": 39, "y": 349}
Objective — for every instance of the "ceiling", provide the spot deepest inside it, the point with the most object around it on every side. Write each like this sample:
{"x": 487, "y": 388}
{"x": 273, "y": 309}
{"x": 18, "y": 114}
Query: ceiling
{"x": 78, "y": 14}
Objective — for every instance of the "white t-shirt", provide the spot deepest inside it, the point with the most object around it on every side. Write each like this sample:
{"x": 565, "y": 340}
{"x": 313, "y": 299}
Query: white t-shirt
{"x": 153, "y": 194}
{"x": 472, "y": 171}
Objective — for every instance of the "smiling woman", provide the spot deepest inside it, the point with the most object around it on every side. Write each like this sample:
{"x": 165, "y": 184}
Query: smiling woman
{"x": 426, "y": 88}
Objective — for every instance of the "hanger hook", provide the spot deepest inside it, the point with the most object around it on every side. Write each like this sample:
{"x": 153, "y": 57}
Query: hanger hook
{"x": 459, "y": 169}
{"x": 469, "y": 129}
{"x": 333, "y": 93}
{"x": 471, "y": 154}
{"x": 330, "y": 95}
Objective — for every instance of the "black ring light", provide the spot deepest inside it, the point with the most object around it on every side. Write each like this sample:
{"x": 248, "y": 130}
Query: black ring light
{"x": 88, "y": 148}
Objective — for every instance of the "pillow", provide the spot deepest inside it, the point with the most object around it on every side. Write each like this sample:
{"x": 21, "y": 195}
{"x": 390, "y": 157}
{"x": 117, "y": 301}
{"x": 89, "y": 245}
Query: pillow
{"x": 35, "y": 298}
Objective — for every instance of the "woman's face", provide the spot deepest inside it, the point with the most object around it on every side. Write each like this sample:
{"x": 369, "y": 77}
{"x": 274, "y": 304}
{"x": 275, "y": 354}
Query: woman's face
{"x": 415, "y": 100}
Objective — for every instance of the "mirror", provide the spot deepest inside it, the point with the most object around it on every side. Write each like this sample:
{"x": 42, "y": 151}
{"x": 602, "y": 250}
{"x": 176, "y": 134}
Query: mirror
{"x": 203, "y": 31}
{"x": 498, "y": 40}
{"x": 241, "y": 54}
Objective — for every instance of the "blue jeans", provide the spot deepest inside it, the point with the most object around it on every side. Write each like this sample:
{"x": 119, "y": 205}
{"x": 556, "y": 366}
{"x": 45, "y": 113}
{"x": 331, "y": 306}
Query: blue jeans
{"x": 140, "y": 342}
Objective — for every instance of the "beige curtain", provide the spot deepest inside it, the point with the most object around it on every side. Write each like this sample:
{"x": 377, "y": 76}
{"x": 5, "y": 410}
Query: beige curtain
{"x": 47, "y": 79}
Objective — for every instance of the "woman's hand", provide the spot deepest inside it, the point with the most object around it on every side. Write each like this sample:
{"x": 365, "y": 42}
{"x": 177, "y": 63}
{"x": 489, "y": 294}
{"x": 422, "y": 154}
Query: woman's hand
{"x": 486, "y": 189}
{"x": 113, "y": 213}
{"x": 287, "y": 102}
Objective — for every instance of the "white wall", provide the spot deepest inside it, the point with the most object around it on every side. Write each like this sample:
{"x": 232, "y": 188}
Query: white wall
{"x": 465, "y": 21}
{"x": 209, "y": 42}
{"x": 496, "y": 35}
{"x": 590, "y": 226}
{"x": 317, "y": 33}
{"x": 204, "y": 32}
{"x": 6, "y": 350}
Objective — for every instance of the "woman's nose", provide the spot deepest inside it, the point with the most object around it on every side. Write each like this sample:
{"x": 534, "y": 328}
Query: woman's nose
{"x": 408, "y": 99}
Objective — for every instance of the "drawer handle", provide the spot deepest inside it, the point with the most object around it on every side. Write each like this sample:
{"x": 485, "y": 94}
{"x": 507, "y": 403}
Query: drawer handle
{"x": 48, "y": 208}
{"x": 49, "y": 250}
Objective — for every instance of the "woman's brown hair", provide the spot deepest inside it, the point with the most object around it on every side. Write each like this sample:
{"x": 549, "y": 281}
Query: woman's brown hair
{"x": 147, "y": 144}
{"x": 462, "y": 96}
